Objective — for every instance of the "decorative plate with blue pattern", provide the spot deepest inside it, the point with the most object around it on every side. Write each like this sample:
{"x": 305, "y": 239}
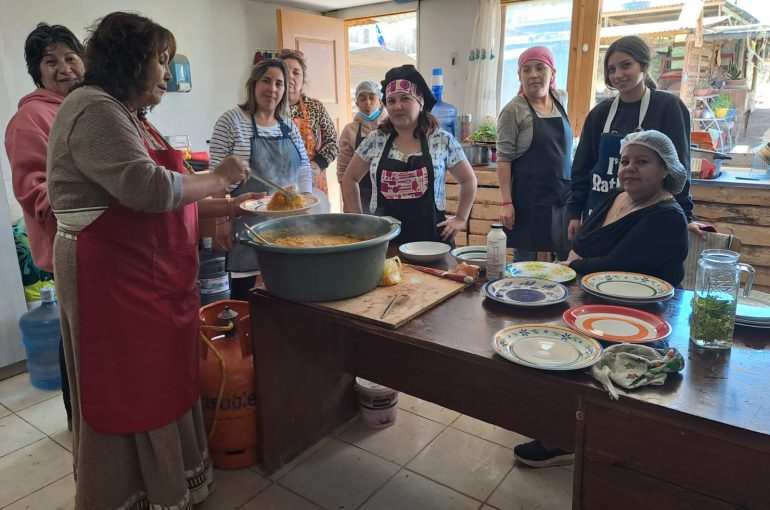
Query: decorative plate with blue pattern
{"x": 525, "y": 291}
{"x": 546, "y": 347}
{"x": 546, "y": 270}
{"x": 627, "y": 287}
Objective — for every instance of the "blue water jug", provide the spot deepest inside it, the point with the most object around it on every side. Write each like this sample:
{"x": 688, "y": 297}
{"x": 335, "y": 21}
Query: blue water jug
{"x": 212, "y": 275}
{"x": 445, "y": 113}
{"x": 41, "y": 334}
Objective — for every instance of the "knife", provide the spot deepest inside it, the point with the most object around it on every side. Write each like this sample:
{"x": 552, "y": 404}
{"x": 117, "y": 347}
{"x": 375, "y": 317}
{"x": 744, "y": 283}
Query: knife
{"x": 462, "y": 278}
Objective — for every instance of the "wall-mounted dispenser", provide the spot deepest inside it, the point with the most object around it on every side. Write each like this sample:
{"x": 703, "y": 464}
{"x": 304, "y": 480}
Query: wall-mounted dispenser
{"x": 180, "y": 74}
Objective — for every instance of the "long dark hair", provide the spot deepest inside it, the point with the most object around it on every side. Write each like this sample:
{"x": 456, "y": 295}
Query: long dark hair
{"x": 40, "y": 39}
{"x": 257, "y": 72}
{"x": 427, "y": 123}
{"x": 118, "y": 49}
{"x": 638, "y": 50}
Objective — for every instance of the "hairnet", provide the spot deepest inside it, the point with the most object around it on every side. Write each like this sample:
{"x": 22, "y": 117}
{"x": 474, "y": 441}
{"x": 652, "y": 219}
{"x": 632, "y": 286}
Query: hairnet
{"x": 369, "y": 86}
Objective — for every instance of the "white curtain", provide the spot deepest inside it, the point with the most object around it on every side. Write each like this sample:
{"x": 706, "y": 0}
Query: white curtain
{"x": 481, "y": 98}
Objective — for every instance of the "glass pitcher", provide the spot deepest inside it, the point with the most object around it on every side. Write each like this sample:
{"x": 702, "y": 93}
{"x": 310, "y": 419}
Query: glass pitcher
{"x": 715, "y": 298}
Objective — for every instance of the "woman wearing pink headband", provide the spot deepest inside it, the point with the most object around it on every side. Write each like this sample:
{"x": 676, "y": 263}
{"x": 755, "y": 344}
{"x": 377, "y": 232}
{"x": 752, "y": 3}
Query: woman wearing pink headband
{"x": 534, "y": 143}
{"x": 406, "y": 159}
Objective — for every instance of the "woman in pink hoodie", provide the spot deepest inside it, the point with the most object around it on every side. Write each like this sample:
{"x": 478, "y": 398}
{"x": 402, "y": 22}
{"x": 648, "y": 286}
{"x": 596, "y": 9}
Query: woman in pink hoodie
{"x": 53, "y": 56}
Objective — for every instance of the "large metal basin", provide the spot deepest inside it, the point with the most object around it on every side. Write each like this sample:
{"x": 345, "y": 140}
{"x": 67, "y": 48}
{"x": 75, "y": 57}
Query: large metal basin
{"x": 325, "y": 273}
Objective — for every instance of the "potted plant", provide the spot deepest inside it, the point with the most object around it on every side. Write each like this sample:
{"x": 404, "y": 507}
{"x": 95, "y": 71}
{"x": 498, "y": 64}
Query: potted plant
{"x": 721, "y": 104}
{"x": 733, "y": 77}
{"x": 703, "y": 88}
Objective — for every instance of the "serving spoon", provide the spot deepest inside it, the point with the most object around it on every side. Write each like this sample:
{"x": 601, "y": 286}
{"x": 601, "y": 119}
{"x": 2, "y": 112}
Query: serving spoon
{"x": 267, "y": 182}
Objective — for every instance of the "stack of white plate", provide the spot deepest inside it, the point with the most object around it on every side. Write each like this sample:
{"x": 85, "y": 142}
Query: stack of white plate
{"x": 753, "y": 311}
{"x": 627, "y": 288}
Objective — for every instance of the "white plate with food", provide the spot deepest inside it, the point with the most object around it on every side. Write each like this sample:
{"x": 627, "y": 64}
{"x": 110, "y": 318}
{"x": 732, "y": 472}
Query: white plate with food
{"x": 424, "y": 251}
{"x": 546, "y": 347}
{"x": 546, "y": 270}
{"x": 275, "y": 206}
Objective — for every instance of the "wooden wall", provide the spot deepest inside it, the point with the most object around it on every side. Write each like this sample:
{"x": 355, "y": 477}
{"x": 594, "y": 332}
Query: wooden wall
{"x": 743, "y": 212}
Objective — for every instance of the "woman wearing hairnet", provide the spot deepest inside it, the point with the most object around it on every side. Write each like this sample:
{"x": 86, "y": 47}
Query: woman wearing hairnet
{"x": 639, "y": 228}
{"x": 370, "y": 115}
{"x": 642, "y": 228}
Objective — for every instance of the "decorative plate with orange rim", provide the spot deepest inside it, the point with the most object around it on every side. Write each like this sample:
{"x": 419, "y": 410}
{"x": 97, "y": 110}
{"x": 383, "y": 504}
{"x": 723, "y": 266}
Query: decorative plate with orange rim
{"x": 617, "y": 323}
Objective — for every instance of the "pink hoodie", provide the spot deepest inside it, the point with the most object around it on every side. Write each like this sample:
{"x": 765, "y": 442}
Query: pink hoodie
{"x": 26, "y": 143}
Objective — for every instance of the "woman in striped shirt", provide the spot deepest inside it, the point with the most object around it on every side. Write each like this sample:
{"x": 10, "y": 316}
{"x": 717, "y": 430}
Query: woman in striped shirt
{"x": 260, "y": 129}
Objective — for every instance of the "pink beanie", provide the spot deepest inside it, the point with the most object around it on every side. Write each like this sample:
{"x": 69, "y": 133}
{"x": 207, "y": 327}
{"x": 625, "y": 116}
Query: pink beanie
{"x": 542, "y": 54}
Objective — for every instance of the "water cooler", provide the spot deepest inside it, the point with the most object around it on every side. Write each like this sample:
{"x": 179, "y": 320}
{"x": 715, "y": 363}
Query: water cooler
{"x": 41, "y": 334}
{"x": 445, "y": 113}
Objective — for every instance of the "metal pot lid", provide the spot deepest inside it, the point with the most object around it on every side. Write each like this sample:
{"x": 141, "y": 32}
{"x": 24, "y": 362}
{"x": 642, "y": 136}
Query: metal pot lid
{"x": 707, "y": 154}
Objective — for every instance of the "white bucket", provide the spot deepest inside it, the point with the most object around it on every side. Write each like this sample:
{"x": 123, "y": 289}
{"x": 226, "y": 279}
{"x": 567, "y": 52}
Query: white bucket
{"x": 377, "y": 403}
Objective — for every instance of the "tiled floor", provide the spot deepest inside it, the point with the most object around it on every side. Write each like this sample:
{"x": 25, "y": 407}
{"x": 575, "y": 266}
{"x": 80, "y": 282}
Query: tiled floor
{"x": 431, "y": 459}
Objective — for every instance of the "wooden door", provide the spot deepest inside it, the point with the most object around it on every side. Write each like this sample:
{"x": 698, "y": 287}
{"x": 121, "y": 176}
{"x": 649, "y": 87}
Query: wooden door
{"x": 323, "y": 40}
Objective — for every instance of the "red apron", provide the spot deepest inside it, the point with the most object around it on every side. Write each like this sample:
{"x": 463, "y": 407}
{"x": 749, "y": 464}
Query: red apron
{"x": 138, "y": 314}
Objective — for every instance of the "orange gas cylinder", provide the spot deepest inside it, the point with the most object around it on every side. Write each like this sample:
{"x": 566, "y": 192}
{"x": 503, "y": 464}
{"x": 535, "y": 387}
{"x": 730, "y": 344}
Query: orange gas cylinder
{"x": 228, "y": 392}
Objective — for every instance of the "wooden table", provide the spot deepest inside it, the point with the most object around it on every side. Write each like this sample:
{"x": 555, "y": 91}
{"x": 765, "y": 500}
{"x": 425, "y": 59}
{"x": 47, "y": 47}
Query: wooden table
{"x": 700, "y": 441}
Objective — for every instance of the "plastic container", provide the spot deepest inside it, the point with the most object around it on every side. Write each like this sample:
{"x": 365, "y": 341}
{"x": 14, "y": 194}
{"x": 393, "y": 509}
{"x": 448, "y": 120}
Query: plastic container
{"x": 444, "y": 112}
{"x": 41, "y": 334}
{"x": 496, "y": 241}
{"x": 377, "y": 403}
{"x": 212, "y": 275}
{"x": 465, "y": 126}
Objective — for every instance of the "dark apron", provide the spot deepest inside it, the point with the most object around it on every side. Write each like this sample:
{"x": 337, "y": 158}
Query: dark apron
{"x": 276, "y": 158}
{"x": 405, "y": 192}
{"x": 541, "y": 186}
{"x": 604, "y": 174}
{"x": 365, "y": 185}
{"x": 137, "y": 276}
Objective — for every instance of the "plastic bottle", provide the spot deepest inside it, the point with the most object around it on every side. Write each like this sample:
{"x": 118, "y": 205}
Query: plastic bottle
{"x": 444, "y": 112}
{"x": 465, "y": 126}
{"x": 41, "y": 334}
{"x": 496, "y": 241}
{"x": 212, "y": 275}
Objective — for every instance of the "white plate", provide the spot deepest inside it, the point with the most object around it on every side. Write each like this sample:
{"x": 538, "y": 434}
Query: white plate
{"x": 476, "y": 255}
{"x": 424, "y": 251}
{"x": 547, "y": 270}
{"x": 525, "y": 291}
{"x": 754, "y": 308}
{"x": 632, "y": 302}
{"x": 546, "y": 347}
{"x": 628, "y": 286}
{"x": 260, "y": 207}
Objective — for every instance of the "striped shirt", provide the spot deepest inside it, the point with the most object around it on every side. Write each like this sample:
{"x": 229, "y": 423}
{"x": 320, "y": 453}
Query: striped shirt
{"x": 232, "y": 136}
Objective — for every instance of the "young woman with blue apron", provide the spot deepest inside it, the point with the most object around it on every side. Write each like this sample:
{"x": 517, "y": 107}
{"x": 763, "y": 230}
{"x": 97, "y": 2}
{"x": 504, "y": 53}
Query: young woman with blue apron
{"x": 278, "y": 159}
{"x": 405, "y": 191}
{"x": 543, "y": 176}
{"x": 604, "y": 174}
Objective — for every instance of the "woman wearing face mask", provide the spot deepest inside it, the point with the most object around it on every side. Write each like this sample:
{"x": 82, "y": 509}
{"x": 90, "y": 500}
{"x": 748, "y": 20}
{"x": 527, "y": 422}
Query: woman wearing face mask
{"x": 370, "y": 115}
{"x": 314, "y": 123}
{"x": 54, "y": 61}
{"x": 534, "y": 144}
{"x": 260, "y": 130}
{"x": 126, "y": 261}
{"x": 637, "y": 107}
{"x": 407, "y": 158}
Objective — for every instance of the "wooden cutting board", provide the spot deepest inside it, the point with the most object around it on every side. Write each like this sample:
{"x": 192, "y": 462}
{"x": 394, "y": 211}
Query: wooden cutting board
{"x": 423, "y": 291}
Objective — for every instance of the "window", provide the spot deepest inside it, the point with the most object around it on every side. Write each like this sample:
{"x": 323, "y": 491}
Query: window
{"x": 534, "y": 23}
{"x": 379, "y": 44}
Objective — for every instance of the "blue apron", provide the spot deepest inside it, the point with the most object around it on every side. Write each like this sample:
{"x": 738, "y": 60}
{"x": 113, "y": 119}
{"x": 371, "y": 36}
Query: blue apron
{"x": 604, "y": 174}
{"x": 540, "y": 186}
{"x": 277, "y": 158}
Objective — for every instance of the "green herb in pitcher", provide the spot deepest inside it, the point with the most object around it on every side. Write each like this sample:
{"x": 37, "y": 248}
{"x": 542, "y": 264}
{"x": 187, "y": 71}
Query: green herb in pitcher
{"x": 712, "y": 321}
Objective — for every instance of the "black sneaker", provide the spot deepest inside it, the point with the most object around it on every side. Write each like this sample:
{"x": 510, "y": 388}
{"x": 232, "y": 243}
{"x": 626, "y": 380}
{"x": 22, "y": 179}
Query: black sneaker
{"x": 534, "y": 454}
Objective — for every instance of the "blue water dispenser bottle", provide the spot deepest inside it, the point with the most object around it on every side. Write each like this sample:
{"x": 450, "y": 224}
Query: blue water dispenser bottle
{"x": 41, "y": 334}
{"x": 444, "y": 112}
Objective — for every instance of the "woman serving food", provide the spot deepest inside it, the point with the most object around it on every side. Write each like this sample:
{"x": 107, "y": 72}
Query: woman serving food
{"x": 260, "y": 130}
